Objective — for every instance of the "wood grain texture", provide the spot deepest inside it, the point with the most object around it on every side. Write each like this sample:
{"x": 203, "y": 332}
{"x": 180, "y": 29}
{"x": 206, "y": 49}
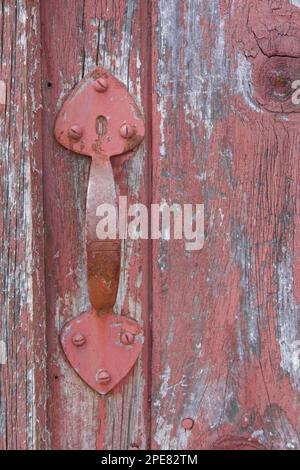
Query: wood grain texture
{"x": 77, "y": 36}
{"x": 22, "y": 299}
{"x": 213, "y": 80}
{"x": 226, "y": 319}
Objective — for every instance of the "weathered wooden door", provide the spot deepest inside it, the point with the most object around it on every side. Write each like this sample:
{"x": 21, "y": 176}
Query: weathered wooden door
{"x": 220, "y": 362}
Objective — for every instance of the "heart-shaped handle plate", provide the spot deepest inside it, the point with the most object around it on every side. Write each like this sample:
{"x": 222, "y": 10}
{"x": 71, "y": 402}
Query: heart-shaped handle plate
{"x": 102, "y": 348}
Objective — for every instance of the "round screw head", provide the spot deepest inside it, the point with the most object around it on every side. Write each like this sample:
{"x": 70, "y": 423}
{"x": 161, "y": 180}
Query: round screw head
{"x": 126, "y": 131}
{"x": 75, "y": 132}
{"x": 187, "y": 424}
{"x": 127, "y": 338}
{"x": 103, "y": 377}
{"x": 78, "y": 339}
{"x": 100, "y": 84}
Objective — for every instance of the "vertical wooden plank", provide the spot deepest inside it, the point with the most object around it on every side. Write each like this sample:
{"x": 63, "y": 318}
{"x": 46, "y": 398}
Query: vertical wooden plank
{"x": 77, "y": 36}
{"x": 226, "y": 319}
{"x": 22, "y": 314}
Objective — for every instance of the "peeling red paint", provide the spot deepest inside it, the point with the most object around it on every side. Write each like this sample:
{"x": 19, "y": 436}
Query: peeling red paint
{"x": 225, "y": 316}
{"x": 23, "y": 394}
{"x": 213, "y": 78}
{"x": 111, "y": 36}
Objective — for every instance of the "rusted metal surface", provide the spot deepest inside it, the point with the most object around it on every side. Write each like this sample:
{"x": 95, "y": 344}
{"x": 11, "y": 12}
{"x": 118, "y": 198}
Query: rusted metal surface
{"x": 77, "y": 129}
{"x": 100, "y": 120}
{"x": 83, "y": 108}
{"x": 100, "y": 357}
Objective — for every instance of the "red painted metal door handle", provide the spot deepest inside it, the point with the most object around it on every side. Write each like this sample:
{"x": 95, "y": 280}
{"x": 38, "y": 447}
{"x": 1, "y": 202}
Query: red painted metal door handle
{"x": 103, "y": 257}
{"x": 101, "y": 120}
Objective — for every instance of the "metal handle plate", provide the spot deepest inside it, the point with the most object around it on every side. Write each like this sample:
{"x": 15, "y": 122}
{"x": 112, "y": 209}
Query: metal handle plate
{"x": 100, "y": 120}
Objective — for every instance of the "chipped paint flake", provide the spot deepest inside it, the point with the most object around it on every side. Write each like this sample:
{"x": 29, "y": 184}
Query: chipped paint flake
{"x": 288, "y": 319}
{"x": 244, "y": 74}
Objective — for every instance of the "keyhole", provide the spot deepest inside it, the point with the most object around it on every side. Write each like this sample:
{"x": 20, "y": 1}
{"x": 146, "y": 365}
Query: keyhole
{"x": 101, "y": 125}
